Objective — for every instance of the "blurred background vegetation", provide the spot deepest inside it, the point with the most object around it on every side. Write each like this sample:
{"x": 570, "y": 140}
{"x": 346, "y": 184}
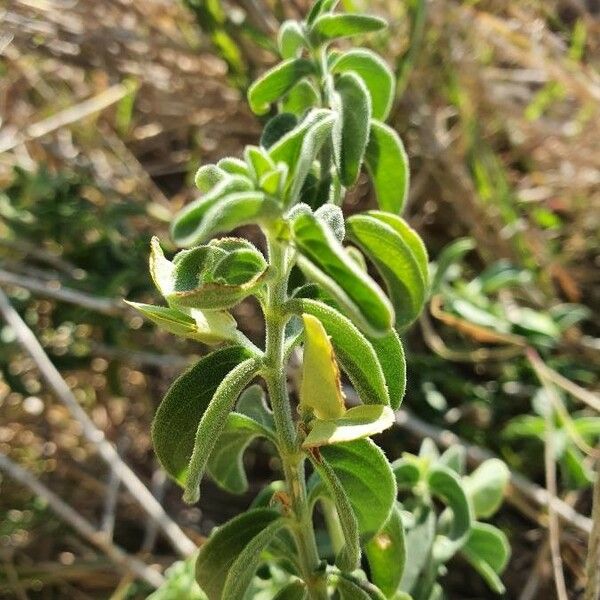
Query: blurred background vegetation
{"x": 107, "y": 109}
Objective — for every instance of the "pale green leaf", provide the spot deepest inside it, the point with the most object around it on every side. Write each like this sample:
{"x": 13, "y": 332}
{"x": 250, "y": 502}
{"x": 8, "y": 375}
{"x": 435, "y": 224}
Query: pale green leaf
{"x": 486, "y": 486}
{"x": 276, "y": 82}
{"x": 290, "y": 39}
{"x": 333, "y": 26}
{"x": 358, "y": 422}
{"x": 387, "y": 164}
{"x": 376, "y": 75}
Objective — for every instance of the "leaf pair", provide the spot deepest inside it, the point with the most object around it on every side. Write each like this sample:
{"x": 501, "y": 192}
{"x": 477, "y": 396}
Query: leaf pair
{"x": 194, "y": 413}
{"x": 217, "y": 275}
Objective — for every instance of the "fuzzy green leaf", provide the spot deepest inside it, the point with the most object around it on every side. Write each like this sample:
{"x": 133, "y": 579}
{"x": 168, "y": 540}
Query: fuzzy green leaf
{"x": 445, "y": 485}
{"x": 247, "y": 561}
{"x": 234, "y": 166}
{"x": 252, "y": 419}
{"x": 328, "y": 264}
{"x": 176, "y": 420}
{"x": 486, "y": 486}
{"x": 376, "y": 75}
{"x": 349, "y": 556}
{"x": 301, "y": 98}
{"x": 358, "y": 422}
{"x": 387, "y": 165}
{"x": 208, "y": 327}
{"x": 318, "y": 8}
{"x": 235, "y": 210}
{"x": 290, "y": 39}
{"x": 386, "y": 554}
{"x": 450, "y": 255}
{"x": 217, "y": 275}
{"x": 187, "y": 220}
{"x": 293, "y": 591}
{"x": 276, "y": 128}
{"x": 224, "y": 546}
{"x": 351, "y": 129}
{"x": 213, "y": 422}
{"x": 320, "y": 390}
{"x": 390, "y": 354}
{"x": 330, "y": 26}
{"x": 258, "y": 160}
{"x": 367, "y": 478}
{"x": 298, "y": 149}
{"x": 276, "y": 82}
{"x": 406, "y": 472}
{"x": 488, "y": 551}
{"x": 455, "y": 458}
{"x": 353, "y": 351}
{"x": 333, "y": 217}
{"x": 208, "y": 176}
{"x": 348, "y": 590}
{"x": 399, "y": 255}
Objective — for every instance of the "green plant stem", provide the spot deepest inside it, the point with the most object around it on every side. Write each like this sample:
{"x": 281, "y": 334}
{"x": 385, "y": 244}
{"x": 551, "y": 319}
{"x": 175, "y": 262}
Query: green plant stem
{"x": 291, "y": 454}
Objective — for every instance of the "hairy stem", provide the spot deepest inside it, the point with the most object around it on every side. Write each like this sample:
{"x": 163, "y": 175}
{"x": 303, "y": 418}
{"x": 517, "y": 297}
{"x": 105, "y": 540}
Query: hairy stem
{"x": 291, "y": 455}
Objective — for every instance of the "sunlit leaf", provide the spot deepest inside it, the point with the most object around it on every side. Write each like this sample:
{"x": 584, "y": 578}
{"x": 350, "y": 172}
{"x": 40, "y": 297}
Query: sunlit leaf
{"x": 332, "y": 26}
{"x": 486, "y": 485}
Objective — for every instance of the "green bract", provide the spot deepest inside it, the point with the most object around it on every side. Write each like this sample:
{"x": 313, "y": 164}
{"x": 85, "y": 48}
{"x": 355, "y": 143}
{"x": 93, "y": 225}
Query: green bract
{"x": 359, "y": 282}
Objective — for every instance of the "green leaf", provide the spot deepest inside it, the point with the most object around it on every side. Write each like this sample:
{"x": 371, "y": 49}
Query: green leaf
{"x": 333, "y": 217}
{"x": 488, "y": 551}
{"x": 276, "y": 128}
{"x": 213, "y": 422}
{"x": 176, "y": 420}
{"x": 180, "y": 582}
{"x": 208, "y": 176}
{"x": 220, "y": 551}
{"x": 217, "y": 275}
{"x": 235, "y": 210}
{"x": 445, "y": 485}
{"x": 574, "y": 472}
{"x": 293, "y": 591}
{"x": 320, "y": 390}
{"x": 298, "y": 149}
{"x": 243, "y": 568}
{"x": 376, "y": 75}
{"x": 252, "y": 419}
{"x": 290, "y": 39}
{"x": 450, "y": 255}
{"x": 390, "y": 354}
{"x": 355, "y": 423}
{"x": 486, "y": 485}
{"x": 455, "y": 458}
{"x": 349, "y": 556}
{"x": 419, "y": 537}
{"x": 348, "y": 590}
{"x": 407, "y": 473}
{"x": 319, "y": 7}
{"x": 276, "y": 82}
{"x": 353, "y": 351}
{"x": 187, "y": 220}
{"x": 367, "y": 478}
{"x": 351, "y": 129}
{"x": 398, "y": 254}
{"x": 301, "y": 98}
{"x": 209, "y": 327}
{"x": 258, "y": 160}
{"x": 234, "y": 166}
{"x": 330, "y": 27}
{"x": 387, "y": 164}
{"x": 386, "y": 554}
{"x": 328, "y": 264}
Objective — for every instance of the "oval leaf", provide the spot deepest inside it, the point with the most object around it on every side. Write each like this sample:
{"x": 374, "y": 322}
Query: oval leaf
{"x": 213, "y": 422}
{"x": 245, "y": 564}
{"x": 376, "y": 75}
{"x": 358, "y": 422}
{"x": 276, "y": 82}
{"x": 224, "y": 546}
{"x": 176, "y": 420}
{"x": 387, "y": 164}
{"x": 354, "y": 352}
{"x": 486, "y": 486}
{"x": 290, "y": 39}
{"x": 330, "y": 27}
{"x": 445, "y": 485}
{"x": 320, "y": 390}
{"x": 329, "y": 265}
{"x": 393, "y": 250}
{"x": 367, "y": 478}
{"x": 386, "y": 554}
{"x": 351, "y": 129}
